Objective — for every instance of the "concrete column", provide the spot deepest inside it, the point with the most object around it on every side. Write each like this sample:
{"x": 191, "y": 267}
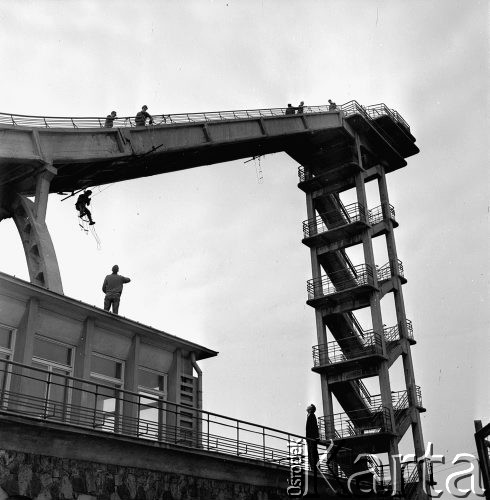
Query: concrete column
{"x": 24, "y": 347}
{"x": 376, "y": 316}
{"x": 24, "y": 342}
{"x": 401, "y": 319}
{"x": 130, "y": 410}
{"x": 43, "y": 182}
{"x": 174, "y": 380}
{"x": 82, "y": 368}
{"x": 321, "y": 332}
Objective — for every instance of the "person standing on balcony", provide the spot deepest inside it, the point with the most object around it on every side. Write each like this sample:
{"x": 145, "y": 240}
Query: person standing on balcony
{"x": 109, "y": 121}
{"x": 113, "y": 287}
{"x": 142, "y": 116}
{"x": 331, "y": 105}
{"x": 81, "y": 205}
{"x": 312, "y": 438}
{"x": 289, "y": 110}
{"x": 300, "y": 108}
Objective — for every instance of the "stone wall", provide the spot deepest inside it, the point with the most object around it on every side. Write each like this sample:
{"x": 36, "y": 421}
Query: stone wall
{"x": 43, "y": 477}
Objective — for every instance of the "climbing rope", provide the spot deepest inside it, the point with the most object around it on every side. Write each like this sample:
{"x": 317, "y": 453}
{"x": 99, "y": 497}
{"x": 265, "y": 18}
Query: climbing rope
{"x": 258, "y": 168}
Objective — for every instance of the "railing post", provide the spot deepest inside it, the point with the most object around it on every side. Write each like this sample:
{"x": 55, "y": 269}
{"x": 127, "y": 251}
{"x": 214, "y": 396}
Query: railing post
{"x": 46, "y": 397}
{"x": 208, "y": 431}
{"x": 237, "y": 438}
{"x": 95, "y": 405}
{"x": 263, "y": 444}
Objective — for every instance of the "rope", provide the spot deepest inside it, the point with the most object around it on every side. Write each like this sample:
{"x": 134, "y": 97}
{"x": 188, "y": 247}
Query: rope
{"x": 96, "y": 237}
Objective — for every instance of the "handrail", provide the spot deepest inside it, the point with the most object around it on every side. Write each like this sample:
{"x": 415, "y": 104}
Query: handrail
{"x": 355, "y": 346}
{"x": 349, "y": 108}
{"x": 215, "y": 432}
{"x": 355, "y": 423}
{"x": 353, "y": 212}
{"x": 323, "y": 286}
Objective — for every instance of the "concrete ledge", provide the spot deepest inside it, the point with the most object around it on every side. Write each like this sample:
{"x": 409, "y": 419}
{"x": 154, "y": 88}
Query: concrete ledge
{"x": 29, "y": 436}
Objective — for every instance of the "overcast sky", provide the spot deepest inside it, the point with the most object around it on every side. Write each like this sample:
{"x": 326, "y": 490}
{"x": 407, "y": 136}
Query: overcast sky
{"x": 215, "y": 256}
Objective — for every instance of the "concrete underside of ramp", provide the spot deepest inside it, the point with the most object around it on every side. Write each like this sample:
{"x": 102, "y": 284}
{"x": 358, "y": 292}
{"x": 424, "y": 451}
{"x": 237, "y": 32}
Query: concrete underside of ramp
{"x": 90, "y": 157}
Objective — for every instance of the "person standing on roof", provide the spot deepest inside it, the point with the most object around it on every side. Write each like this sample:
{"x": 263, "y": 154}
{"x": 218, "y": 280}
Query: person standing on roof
{"x": 113, "y": 287}
{"x": 109, "y": 121}
{"x": 300, "y": 108}
{"x": 331, "y": 105}
{"x": 142, "y": 116}
{"x": 289, "y": 110}
{"x": 81, "y": 205}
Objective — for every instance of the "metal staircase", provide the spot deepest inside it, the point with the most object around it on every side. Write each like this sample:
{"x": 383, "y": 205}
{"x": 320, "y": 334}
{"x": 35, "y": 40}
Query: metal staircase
{"x": 368, "y": 423}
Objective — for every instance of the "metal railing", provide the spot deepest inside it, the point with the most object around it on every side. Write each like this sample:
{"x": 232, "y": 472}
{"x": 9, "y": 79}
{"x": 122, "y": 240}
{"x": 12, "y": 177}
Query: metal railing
{"x": 349, "y": 108}
{"x": 64, "y": 400}
{"x": 377, "y": 110}
{"x": 340, "y": 425}
{"x": 376, "y": 214}
{"x": 371, "y": 419}
{"x": 390, "y": 270}
{"x": 323, "y": 286}
{"x": 353, "y": 212}
{"x": 352, "y": 348}
{"x": 355, "y": 346}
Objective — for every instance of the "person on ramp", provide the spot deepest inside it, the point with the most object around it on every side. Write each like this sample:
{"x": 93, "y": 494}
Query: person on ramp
{"x": 142, "y": 116}
{"x": 81, "y": 205}
{"x": 112, "y": 287}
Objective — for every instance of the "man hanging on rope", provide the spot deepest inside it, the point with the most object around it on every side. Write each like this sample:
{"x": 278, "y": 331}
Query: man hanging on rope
{"x": 81, "y": 205}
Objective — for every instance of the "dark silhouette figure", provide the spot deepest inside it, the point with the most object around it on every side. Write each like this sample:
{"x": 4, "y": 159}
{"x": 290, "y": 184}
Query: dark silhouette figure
{"x": 142, "y": 116}
{"x": 289, "y": 110}
{"x": 81, "y": 205}
{"x": 109, "y": 121}
{"x": 113, "y": 287}
{"x": 331, "y": 105}
{"x": 300, "y": 108}
{"x": 312, "y": 438}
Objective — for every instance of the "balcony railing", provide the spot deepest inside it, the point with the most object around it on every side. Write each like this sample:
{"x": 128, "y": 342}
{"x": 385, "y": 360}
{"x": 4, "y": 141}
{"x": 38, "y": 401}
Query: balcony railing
{"x": 341, "y": 425}
{"x": 354, "y": 212}
{"x": 356, "y": 346}
{"x": 344, "y": 280}
{"x": 389, "y": 270}
{"x": 352, "y": 348}
{"x": 336, "y": 218}
{"x": 373, "y": 418}
{"x": 69, "y": 401}
{"x": 377, "y": 110}
{"x": 376, "y": 214}
{"x": 349, "y": 108}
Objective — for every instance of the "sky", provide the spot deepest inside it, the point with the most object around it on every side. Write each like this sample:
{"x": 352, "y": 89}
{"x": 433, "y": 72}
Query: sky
{"x": 215, "y": 253}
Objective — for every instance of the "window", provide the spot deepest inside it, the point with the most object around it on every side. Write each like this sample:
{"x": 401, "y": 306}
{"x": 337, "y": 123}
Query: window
{"x": 152, "y": 409}
{"x": 50, "y": 389}
{"x": 105, "y": 400}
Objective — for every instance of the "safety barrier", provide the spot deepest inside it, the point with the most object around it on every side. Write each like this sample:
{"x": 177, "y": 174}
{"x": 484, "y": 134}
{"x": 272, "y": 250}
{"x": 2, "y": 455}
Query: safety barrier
{"x": 370, "y": 113}
{"x": 64, "y": 400}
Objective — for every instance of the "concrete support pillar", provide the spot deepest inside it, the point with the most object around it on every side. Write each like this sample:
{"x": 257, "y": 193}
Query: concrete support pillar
{"x": 402, "y": 320}
{"x": 130, "y": 405}
{"x": 82, "y": 368}
{"x": 376, "y": 316}
{"x": 24, "y": 347}
{"x": 174, "y": 381}
{"x": 24, "y": 342}
{"x": 321, "y": 332}
{"x": 43, "y": 182}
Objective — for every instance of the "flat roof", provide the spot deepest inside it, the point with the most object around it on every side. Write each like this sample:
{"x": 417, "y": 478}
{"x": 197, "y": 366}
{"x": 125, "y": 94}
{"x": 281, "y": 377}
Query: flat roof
{"x": 62, "y": 304}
